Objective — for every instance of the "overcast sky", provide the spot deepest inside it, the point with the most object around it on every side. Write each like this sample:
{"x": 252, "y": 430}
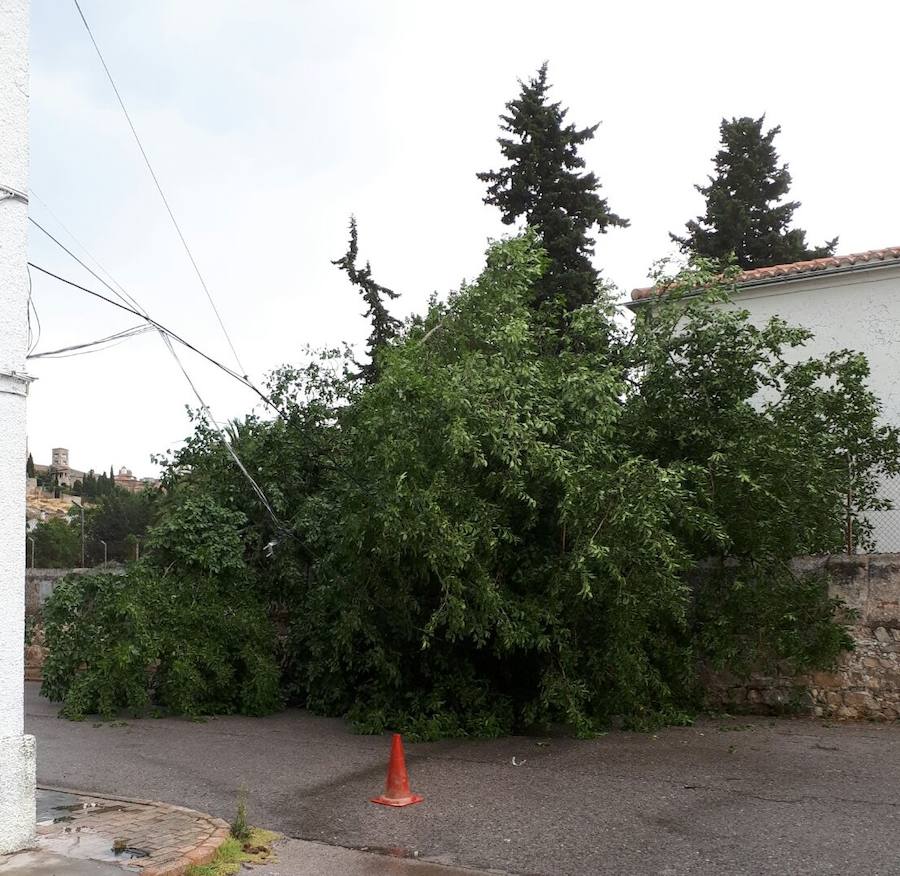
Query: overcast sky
{"x": 270, "y": 122}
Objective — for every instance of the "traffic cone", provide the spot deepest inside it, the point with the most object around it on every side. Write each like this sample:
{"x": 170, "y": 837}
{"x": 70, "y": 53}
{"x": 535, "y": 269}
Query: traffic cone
{"x": 396, "y": 788}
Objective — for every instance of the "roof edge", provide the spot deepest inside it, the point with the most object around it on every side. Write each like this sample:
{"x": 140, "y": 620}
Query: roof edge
{"x": 873, "y": 258}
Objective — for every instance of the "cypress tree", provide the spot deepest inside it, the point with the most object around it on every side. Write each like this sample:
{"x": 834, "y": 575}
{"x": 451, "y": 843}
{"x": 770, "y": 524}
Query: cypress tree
{"x": 743, "y": 214}
{"x": 29, "y": 467}
{"x": 543, "y": 183}
{"x": 384, "y": 326}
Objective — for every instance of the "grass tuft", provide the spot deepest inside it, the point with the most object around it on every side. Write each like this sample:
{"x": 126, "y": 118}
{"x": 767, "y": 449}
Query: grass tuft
{"x": 233, "y": 853}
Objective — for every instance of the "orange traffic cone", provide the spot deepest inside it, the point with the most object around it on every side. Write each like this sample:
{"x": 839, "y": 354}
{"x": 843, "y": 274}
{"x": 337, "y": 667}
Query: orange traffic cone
{"x": 396, "y": 788}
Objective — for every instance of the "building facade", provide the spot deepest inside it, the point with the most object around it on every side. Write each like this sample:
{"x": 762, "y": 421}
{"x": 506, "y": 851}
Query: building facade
{"x": 17, "y": 749}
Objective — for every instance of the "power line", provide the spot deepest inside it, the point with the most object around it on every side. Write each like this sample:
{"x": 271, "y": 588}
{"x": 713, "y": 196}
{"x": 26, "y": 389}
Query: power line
{"x": 320, "y": 454}
{"x": 157, "y": 325}
{"x": 162, "y": 195}
{"x": 14, "y": 194}
{"x": 226, "y": 443}
{"x": 167, "y": 335}
{"x": 94, "y": 346}
{"x": 124, "y": 296}
{"x": 33, "y": 340}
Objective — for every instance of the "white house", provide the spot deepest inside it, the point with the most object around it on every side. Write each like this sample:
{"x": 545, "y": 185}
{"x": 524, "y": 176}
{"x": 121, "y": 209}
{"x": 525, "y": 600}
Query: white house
{"x": 17, "y": 750}
{"x": 851, "y": 302}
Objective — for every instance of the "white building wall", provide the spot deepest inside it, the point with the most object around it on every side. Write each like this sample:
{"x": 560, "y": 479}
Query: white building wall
{"x": 17, "y": 813}
{"x": 858, "y": 310}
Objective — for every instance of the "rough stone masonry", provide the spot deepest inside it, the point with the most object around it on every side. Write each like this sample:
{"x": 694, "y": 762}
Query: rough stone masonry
{"x": 866, "y": 682}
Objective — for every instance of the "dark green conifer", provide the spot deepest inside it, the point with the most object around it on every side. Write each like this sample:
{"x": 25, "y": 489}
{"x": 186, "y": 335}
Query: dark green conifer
{"x": 543, "y": 183}
{"x": 384, "y": 326}
{"x": 743, "y": 214}
{"x": 29, "y": 467}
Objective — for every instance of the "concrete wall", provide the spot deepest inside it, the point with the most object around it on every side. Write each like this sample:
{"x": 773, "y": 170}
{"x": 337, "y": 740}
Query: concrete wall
{"x": 40, "y": 583}
{"x": 860, "y": 311}
{"x": 866, "y": 684}
{"x": 17, "y": 812}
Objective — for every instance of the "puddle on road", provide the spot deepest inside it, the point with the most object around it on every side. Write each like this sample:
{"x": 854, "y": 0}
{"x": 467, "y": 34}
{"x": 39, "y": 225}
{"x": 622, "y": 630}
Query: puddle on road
{"x": 51, "y": 803}
{"x": 387, "y": 851}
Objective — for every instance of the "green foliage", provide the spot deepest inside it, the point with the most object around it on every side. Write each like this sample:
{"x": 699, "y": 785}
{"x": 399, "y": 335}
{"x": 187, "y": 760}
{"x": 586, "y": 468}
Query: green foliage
{"x": 505, "y": 537}
{"x": 57, "y": 544}
{"x": 384, "y": 326}
{"x": 743, "y": 217}
{"x": 29, "y": 467}
{"x": 767, "y": 619}
{"x": 190, "y": 636}
{"x": 118, "y": 518}
{"x": 492, "y": 536}
{"x": 543, "y": 183}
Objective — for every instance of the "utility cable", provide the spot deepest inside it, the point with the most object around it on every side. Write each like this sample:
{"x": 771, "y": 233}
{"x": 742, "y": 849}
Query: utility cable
{"x": 9, "y": 193}
{"x": 138, "y": 310}
{"x": 222, "y": 437}
{"x": 33, "y": 340}
{"x": 159, "y": 188}
{"x": 122, "y": 293}
{"x": 95, "y": 346}
{"x": 141, "y": 312}
{"x": 160, "y": 327}
{"x": 167, "y": 336}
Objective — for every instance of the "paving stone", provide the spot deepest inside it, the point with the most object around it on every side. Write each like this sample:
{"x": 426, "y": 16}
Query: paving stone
{"x": 171, "y": 837}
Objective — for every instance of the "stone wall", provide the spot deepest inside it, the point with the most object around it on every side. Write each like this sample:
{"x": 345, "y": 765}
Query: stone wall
{"x": 866, "y": 683}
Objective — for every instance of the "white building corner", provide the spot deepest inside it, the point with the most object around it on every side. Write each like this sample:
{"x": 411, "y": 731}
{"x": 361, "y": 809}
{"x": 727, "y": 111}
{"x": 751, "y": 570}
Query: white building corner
{"x": 17, "y": 751}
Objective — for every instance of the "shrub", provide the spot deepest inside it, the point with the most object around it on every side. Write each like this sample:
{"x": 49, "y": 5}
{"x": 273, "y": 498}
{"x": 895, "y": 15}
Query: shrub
{"x": 194, "y": 640}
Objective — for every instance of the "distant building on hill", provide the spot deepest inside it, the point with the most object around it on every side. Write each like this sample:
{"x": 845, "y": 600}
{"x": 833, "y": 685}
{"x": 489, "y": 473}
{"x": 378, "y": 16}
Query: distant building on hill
{"x": 59, "y": 466}
{"x": 127, "y": 481}
{"x": 66, "y": 475}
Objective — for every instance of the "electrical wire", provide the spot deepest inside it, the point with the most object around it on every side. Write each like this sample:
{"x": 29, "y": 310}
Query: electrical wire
{"x": 160, "y": 327}
{"x": 95, "y": 346}
{"x": 10, "y": 193}
{"x": 321, "y": 455}
{"x": 33, "y": 341}
{"x": 122, "y": 293}
{"x": 168, "y": 336}
{"x": 221, "y": 433}
{"x": 159, "y": 188}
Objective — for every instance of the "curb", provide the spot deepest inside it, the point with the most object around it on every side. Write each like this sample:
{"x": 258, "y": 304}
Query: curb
{"x": 197, "y": 855}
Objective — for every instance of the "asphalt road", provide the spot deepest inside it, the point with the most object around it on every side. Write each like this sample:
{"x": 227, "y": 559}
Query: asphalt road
{"x": 731, "y": 796}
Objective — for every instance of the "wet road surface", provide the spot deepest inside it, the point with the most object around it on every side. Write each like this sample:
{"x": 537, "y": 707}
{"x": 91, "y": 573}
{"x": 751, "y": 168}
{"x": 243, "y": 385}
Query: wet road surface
{"x": 730, "y": 796}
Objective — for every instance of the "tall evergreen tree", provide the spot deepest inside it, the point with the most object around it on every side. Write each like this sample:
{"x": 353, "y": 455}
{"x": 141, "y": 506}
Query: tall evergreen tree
{"x": 29, "y": 467}
{"x": 544, "y": 184}
{"x": 743, "y": 214}
{"x": 384, "y": 326}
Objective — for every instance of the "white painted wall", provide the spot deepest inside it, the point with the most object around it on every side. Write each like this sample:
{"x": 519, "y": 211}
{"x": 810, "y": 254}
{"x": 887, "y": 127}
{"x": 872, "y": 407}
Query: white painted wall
{"x": 858, "y": 310}
{"x": 17, "y": 813}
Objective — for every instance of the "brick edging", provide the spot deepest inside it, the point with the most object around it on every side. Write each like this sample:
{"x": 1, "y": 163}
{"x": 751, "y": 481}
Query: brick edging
{"x": 200, "y": 854}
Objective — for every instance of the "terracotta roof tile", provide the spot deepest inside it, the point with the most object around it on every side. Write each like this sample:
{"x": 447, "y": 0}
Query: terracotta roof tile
{"x": 795, "y": 269}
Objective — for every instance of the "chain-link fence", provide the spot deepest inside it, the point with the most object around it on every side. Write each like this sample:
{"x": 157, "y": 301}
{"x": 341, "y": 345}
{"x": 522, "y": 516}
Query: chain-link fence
{"x": 886, "y": 524}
